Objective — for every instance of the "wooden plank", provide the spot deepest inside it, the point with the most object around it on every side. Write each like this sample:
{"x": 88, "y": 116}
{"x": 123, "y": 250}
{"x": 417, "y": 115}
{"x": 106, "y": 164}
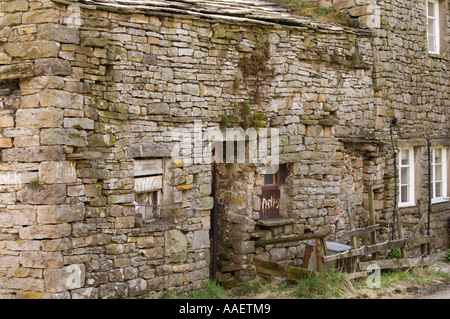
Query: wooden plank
{"x": 360, "y": 231}
{"x": 400, "y": 231}
{"x": 274, "y": 269}
{"x": 148, "y": 184}
{"x": 319, "y": 255}
{"x": 418, "y": 227}
{"x": 396, "y": 263}
{"x": 354, "y": 240}
{"x": 393, "y": 244}
{"x": 421, "y": 240}
{"x": 291, "y": 239}
{"x": 373, "y": 235}
{"x": 148, "y": 167}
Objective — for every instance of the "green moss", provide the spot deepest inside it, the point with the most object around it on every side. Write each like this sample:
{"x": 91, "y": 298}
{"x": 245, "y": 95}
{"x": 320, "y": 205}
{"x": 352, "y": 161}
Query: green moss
{"x": 246, "y": 109}
{"x": 236, "y": 83}
{"x": 316, "y": 11}
{"x": 223, "y": 121}
{"x": 259, "y": 120}
{"x": 34, "y": 184}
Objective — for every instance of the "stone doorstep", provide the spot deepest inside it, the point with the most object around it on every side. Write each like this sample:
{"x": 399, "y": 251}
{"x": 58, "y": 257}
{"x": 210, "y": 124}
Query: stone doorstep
{"x": 275, "y": 222}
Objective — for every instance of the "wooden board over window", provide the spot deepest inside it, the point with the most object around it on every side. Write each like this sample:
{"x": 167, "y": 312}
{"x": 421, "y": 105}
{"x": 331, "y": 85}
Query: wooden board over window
{"x": 148, "y": 184}
{"x": 148, "y": 167}
{"x": 270, "y": 198}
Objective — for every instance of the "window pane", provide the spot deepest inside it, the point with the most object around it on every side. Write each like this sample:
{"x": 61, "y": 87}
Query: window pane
{"x": 438, "y": 156}
{"x": 269, "y": 179}
{"x": 404, "y": 198}
{"x": 438, "y": 187}
{"x": 432, "y": 43}
{"x": 404, "y": 176}
{"x": 431, "y": 9}
{"x": 431, "y": 27}
{"x": 438, "y": 173}
{"x": 405, "y": 157}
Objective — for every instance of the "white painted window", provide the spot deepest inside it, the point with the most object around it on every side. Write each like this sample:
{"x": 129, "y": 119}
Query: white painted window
{"x": 439, "y": 174}
{"x": 406, "y": 177}
{"x": 148, "y": 186}
{"x": 433, "y": 26}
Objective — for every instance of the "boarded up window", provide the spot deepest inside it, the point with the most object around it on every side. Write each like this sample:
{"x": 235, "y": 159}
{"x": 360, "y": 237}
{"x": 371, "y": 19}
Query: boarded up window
{"x": 148, "y": 185}
{"x": 270, "y": 199}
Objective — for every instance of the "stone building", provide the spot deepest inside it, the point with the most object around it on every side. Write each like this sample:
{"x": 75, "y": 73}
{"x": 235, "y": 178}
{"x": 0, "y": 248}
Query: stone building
{"x": 113, "y": 132}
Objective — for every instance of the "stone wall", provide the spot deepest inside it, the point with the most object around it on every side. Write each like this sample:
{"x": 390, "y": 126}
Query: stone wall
{"x": 87, "y": 92}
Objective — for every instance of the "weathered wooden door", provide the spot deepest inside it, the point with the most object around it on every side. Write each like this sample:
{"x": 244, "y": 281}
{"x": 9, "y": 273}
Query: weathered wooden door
{"x": 214, "y": 220}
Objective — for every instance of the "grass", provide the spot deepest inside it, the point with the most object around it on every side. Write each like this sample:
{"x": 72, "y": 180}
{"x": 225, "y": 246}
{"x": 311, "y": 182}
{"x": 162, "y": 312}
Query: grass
{"x": 329, "y": 284}
{"x": 212, "y": 290}
{"x": 333, "y": 284}
{"x": 316, "y": 11}
{"x": 446, "y": 257}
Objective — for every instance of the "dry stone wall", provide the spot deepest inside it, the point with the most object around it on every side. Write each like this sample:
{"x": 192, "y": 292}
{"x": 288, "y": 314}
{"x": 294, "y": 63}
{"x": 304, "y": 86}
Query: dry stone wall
{"x": 87, "y": 94}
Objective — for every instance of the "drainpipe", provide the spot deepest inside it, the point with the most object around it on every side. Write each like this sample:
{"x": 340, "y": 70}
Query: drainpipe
{"x": 430, "y": 195}
{"x": 394, "y": 122}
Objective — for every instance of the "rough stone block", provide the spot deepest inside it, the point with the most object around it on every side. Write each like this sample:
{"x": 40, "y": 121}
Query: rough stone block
{"x": 76, "y": 191}
{"x": 137, "y": 287}
{"x": 32, "y": 49}
{"x": 70, "y": 137}
{"x": 58, "y": 33}
{"x": 150, "y": 150}
{"x": 204, "y": 203}
{"x": 189, "y": 88}
{"x": 58, "y": 98}
{"x": 113, "y": 291}
{"x": 85, "y": 293}
{"x": 5, "y": 143}
{"x": 46, "y": 194}
{"x": 39, "y": 118}
{"x": 45, "y": 231}
{"x": 41, "y": 259}
{"x": 55, "y": 214}
{"x": 57, "y": 244}
{"x": 25, "y": 284}
{"x": 66, "y": 278}
{"x": 33, "y": 154}
{"x": 158, "y": 108}
{"x": 57, "y": 172}
{"x": 175, "y": 247}
{"x": 6, "y": 121}
{"x": 14, "y": 6}
{"x": 79, "y": 123}
{"x": 38, "y": 83}
{"x": 10, "y": 19}
{"x": 16, "y": 71}
{"x": 52, "y": 66}
{"x": 201, "y": 239}
{"x": 41, "y": 16}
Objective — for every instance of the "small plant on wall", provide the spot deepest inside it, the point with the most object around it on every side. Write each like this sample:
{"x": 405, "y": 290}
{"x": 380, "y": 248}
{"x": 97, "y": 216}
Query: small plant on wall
{"x": 243, "y": 115}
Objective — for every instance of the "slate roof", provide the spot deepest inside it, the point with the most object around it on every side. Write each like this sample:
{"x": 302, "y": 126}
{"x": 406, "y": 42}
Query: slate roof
{"x": 261, "y": 11}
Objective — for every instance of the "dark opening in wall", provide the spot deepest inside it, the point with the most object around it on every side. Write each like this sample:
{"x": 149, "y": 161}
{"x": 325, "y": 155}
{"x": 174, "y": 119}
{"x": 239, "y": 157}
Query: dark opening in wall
{"x": 9, "y": 94}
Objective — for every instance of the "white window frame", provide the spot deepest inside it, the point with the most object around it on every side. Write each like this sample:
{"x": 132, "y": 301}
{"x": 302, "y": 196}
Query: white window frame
{"x": 435, "y": 50}
{"x": 443, "y": 198}
{"x": 410, "y": 165}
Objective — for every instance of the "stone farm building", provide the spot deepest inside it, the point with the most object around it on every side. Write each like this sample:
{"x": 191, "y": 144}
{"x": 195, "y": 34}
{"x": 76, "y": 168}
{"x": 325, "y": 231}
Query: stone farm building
{"x": 107, "y": 188}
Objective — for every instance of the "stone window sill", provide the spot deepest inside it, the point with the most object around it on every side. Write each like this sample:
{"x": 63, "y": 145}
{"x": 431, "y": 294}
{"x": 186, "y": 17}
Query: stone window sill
{"x": 440, "y": 201}
{"x": 438, "y": 56}
{"x": 275, "y": 222}
{"x": 152, "y": 227}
